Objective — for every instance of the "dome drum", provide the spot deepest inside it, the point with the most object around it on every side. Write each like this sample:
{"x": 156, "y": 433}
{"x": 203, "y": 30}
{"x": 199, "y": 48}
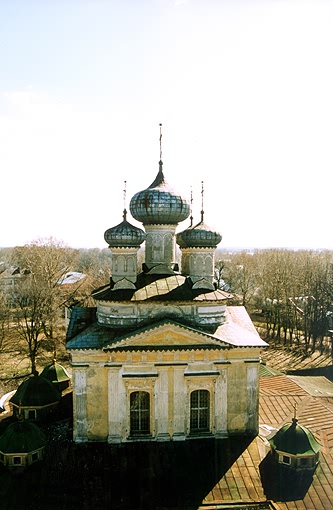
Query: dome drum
{"x": 207, "y": 316}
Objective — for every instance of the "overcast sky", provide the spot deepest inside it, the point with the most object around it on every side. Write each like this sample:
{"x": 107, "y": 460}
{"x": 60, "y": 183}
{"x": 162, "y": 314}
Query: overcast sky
{"x": 244, "y": 90}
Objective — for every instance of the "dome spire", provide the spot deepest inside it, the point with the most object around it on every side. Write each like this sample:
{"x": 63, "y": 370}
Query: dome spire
{"x": 191, "y": 208}
{"x": 202, "y": 201}
{"x": 124, "y": 198}
{"x": 160, "y": 143}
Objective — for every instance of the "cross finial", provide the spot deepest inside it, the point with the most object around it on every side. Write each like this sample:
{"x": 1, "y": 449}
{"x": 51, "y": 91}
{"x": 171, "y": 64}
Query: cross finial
{"x": 191, "y": 217}
{"x": 202, "y": 205}
{"x": 124, "y": 197}
{"x": 160, "y": 142}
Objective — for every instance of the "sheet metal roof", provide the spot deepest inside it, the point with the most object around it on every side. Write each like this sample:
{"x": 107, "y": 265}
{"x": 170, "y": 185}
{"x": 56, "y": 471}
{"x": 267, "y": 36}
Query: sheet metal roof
{"x": 238, "y": 331}
{"x": 243, "y": 481}
{"x": 156, "y": 287}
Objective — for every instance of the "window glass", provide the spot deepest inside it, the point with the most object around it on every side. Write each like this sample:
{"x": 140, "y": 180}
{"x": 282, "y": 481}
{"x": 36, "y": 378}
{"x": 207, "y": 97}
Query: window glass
{"x": 16, "y": 460}
{"x": 199, "y": 414}
{"x": 286, "y": 459}
{"x": 139, "y": 412}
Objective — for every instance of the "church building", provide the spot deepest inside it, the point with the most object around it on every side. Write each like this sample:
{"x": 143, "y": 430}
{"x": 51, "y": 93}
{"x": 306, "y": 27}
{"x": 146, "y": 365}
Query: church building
{"x": 162, "y": 357}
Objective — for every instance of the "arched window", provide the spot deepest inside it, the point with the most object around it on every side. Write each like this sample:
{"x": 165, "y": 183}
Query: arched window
{"x": 199, "y": 414}
{"x": 140, "y": 412}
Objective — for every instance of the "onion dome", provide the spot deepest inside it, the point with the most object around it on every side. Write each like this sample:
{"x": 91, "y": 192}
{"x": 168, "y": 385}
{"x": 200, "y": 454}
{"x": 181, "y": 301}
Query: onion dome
{"x": 36, "y": 391}
{"x": 21, "y": 437}
{"x": 124, "y": 234}
{"x": 295, "y": 440}
{"x": 199, "y": 236}
{"x": 159, "y": 204}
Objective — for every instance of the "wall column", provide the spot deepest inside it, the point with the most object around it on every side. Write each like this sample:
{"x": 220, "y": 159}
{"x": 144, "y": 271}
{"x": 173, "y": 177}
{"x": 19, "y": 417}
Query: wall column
{"x": 80, "y": 405}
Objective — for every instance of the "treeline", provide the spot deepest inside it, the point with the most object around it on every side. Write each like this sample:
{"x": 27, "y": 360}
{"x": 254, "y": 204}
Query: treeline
{"x": 289, "y": 293}
{"x": 37, "y": 282}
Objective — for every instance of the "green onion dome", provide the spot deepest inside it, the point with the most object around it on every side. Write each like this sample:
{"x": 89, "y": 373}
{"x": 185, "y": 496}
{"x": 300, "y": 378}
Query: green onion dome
{"x": 21, "y": 437}
{"x": 159, "y": 204}
{"x": 295, "y": 439}
{"x": 124, "y": 234}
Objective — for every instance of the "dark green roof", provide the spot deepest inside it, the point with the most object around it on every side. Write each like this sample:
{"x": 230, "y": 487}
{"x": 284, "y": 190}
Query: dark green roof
{"x": 22, "y": 437}
{"x": 55, "y": 373}
{"x": 37, "y": 391}
{"x": 295, "y": 439}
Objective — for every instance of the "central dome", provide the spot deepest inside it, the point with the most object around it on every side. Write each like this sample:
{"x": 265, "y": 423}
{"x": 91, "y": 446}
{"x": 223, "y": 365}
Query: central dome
{"x": 159, "y": 204}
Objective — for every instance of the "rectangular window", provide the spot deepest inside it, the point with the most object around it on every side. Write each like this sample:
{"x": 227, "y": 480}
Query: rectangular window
{"x": 199, "y": 411}
{"x": 286, "y": 459}
{"x": 17, "y": 461}
{"x": 140, "y": 412}
{"x": 32, "y": 414}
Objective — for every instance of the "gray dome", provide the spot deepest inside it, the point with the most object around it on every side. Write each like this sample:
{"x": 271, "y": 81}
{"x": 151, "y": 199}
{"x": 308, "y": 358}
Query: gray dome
{"x": 124, "y": 234}
{"x": 198, "y": 236}
{"x": 159, "y": 204}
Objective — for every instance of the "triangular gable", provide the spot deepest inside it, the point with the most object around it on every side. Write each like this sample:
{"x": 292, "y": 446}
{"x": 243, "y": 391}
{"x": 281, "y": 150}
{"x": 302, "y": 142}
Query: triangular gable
{"x": 167, "y": 334}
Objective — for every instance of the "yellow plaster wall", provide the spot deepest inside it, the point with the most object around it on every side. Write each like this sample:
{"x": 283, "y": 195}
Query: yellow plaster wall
{"x": 237, "y": 397}
{"x": 97, "y": 403}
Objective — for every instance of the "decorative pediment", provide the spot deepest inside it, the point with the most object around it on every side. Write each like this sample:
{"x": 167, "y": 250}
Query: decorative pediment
{"x": 164, "y": 335}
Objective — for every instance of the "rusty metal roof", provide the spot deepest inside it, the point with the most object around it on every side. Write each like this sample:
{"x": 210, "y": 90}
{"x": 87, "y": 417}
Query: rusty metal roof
{"x": 243, "y": 482}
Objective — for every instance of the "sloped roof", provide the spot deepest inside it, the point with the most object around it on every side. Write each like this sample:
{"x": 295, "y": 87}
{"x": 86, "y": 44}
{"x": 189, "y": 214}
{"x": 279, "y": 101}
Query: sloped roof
{"x": 238, "y": 331}
{"x": 152, "y": 287}
{"x": 244, "y": 481}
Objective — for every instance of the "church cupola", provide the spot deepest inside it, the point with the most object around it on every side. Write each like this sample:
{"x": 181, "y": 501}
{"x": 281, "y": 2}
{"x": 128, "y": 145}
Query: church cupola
{"x": 160, "y": 209}
{"x": 198, "y": 244}
{"x": 124, "y": 240}
{"x": 295, "y": 447}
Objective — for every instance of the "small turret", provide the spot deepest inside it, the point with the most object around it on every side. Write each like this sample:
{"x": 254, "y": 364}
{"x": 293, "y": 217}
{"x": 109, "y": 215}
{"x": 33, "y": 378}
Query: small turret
{"x": 198, "y": 244}
{"x": 124, "y": 241}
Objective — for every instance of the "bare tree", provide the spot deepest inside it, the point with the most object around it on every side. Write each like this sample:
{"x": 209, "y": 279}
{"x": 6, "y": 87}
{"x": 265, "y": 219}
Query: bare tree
{"x": 38, "y": 298}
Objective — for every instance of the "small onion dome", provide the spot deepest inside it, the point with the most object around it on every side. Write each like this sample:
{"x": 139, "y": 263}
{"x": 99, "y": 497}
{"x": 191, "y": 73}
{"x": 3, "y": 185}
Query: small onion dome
{"x": 159, "y": 204}
{"x": 124, "y": 234}
{"x": 36, "y": 391}
{"x": 198, "y": 236}
{"x": 55, "y": 373}
{"x": 21, "y": 437}
{"x": 295, "y": 440}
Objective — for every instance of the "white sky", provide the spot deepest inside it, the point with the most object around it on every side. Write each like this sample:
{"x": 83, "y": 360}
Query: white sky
{"x": 244, "y": 89}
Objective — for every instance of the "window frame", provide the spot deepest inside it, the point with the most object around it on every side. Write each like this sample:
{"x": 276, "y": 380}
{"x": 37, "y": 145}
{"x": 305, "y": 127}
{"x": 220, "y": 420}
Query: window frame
{"x": 202, "y": 409}
{"x": 143, "y": 414}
